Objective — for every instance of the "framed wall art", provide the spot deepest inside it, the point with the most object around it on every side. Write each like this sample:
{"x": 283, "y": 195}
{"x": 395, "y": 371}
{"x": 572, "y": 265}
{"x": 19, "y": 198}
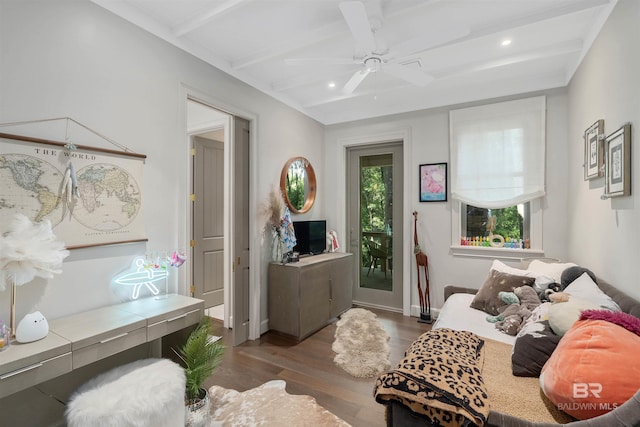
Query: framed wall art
{"x": 617, "y": 148}
{"x": 433, "y": 182}
{"x": 594, "y": 151}
{"x": 92, "y": 196}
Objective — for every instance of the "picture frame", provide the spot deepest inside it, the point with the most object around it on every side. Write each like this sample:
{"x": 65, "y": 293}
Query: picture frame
{"x": 594, "y": 150}
{"x": 617, "y": 148}
{"x": 433, "y": 183}
{"x": 105, "y": 209}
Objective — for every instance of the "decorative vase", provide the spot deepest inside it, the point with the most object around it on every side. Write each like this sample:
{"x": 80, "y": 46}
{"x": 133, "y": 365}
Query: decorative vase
{"x": 197, "y": 412}
{"x": 276, "y": 247}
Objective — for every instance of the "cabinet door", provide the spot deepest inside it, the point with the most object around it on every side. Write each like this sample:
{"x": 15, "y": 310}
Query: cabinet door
{"x": 284, "y": 308}
{"x": 315, "y": 294}
{"x": 341, "y": 285}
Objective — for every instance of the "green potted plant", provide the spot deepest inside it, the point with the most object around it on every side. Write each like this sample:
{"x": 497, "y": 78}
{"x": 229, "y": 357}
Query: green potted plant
{"x": 200, "y": 356}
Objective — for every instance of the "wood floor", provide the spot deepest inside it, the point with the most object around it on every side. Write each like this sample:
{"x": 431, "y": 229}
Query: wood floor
{"x": 308, "y": 368}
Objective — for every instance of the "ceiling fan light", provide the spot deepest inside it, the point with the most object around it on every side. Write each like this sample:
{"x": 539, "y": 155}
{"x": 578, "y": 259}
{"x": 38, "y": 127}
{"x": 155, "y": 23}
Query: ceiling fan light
{"x": 372, "y": 64}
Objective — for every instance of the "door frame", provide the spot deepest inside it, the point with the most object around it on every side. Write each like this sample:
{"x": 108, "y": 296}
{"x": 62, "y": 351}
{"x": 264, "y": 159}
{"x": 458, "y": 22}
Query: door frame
{"x": 403, "y": 135}
{"x": 184, "y": 233}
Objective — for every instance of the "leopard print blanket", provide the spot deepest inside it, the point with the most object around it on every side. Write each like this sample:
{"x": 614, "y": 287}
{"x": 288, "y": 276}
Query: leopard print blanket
{"x": 440, "y": 378}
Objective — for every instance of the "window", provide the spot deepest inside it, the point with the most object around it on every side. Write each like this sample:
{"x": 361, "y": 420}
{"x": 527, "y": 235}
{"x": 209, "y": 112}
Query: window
{"x": 498, "y": 173}
{"x": 511, "y": 223}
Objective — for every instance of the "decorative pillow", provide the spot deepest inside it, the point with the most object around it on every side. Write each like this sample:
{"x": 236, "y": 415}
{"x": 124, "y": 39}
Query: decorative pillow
{"x": 550, "y": 269}
{"x": 487, "y": 299}
{"x": 533, "y": 347}
{"x": 628, "y": 321}
{"x": 593, "y": 370}
{"x": 585, "y": 288}
{"x": 572, "y": 273}
{"x": 500, "y": 266}
{"x": 562, "y": 315}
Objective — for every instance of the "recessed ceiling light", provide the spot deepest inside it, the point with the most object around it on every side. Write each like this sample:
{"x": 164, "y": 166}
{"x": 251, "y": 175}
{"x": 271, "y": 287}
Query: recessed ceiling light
{"x": 506, "y": 42}
{"x": 331, "y": 85}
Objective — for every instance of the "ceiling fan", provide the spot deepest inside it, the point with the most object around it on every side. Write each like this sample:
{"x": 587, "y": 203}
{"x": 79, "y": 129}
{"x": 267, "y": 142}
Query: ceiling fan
{"x": 373, "y": 56}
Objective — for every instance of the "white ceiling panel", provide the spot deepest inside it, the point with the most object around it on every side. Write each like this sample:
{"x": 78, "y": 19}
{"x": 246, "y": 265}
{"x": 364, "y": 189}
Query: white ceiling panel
{"x": 397, "y": 55}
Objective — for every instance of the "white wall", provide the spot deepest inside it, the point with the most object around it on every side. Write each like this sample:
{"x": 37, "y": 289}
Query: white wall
{"x": 73, "y": 58}
{"x": 429, "y": 131}
{"x": 605, "y": 234}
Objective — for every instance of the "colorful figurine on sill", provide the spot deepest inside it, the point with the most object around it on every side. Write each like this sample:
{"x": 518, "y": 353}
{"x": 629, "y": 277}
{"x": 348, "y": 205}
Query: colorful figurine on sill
{"x": 491, "y": 226}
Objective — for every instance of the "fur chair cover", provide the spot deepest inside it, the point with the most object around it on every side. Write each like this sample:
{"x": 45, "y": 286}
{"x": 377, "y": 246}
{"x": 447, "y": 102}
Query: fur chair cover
{"x": 148, "y": 392}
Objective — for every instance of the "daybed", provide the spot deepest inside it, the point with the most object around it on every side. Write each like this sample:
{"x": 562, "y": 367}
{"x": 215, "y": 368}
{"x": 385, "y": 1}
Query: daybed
{"x": 509, "y": 400}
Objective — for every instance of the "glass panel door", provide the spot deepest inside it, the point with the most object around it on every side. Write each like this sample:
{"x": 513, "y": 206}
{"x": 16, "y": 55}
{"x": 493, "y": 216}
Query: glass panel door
{"x": 376, "y": 222}
{"x": 374, "y": 211}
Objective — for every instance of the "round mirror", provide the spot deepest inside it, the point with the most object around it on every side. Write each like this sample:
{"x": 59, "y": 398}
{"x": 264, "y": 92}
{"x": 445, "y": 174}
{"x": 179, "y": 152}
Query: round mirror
{"x": 298, "y": 184}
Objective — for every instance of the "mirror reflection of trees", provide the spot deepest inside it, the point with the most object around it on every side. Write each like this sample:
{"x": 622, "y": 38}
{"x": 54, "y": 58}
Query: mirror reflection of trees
{"x": 296, "y": 185}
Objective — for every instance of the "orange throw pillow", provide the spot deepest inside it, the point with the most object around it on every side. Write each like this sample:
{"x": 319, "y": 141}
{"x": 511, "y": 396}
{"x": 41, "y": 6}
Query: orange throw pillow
{"x": 594, "y": 369}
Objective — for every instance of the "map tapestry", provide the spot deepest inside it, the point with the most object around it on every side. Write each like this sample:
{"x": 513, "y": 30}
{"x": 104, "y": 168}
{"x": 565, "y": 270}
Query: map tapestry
{"x": 105, "y": 206}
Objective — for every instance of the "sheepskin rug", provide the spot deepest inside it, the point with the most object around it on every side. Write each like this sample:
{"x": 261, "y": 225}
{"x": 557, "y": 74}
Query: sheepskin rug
{"x": 268, "y": 405}
{"x": 148, "y": 392}
{"x": 361, "y": 344}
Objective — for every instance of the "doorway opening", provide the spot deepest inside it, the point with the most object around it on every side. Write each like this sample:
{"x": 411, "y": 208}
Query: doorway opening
{"x": 219, "y": 216}
{"x": 208, "y": 128}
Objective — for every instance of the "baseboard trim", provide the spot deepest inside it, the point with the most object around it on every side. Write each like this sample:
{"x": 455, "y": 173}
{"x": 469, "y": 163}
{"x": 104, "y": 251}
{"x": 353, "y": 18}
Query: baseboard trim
{"x": 376, "y": 306}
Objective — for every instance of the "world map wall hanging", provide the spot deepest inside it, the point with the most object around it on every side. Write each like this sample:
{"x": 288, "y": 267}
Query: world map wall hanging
{"x": 92, "y": 196}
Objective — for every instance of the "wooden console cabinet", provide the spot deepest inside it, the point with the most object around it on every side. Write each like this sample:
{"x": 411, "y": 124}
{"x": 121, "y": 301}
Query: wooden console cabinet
{"x": 307, "y": 295}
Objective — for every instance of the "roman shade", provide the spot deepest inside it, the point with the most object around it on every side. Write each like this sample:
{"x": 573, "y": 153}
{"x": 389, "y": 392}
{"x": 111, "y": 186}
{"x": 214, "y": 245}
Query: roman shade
{"x": 498, "y": 153}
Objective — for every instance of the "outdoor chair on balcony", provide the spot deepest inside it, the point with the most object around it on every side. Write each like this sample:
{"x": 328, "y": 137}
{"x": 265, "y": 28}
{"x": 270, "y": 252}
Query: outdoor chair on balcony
{"x": 377, "y": 254}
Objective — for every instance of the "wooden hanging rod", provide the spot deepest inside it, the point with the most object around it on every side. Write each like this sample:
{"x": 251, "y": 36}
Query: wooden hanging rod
{"x": 63, "y": 145}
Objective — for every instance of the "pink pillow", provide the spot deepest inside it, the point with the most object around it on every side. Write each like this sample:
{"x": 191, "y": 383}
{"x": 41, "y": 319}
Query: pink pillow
{"x": 629, "y": 322}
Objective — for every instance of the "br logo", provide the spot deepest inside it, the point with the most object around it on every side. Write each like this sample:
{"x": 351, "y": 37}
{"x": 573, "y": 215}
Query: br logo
{"x": 584, "y": 390}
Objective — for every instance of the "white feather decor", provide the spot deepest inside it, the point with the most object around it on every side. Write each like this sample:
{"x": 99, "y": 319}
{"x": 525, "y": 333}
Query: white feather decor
{"x": 29, "y": 250}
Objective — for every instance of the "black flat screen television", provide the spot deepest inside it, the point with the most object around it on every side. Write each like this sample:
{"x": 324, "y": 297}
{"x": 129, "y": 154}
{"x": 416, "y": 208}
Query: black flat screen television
{"x": 311, "y": 237}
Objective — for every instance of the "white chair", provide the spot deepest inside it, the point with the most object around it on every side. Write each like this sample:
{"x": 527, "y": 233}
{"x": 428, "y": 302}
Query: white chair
{"x": 144, "y": 393}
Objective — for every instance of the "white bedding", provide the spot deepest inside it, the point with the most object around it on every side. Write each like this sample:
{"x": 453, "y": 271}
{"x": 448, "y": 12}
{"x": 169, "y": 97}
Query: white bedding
{"x": 456, "y": 314}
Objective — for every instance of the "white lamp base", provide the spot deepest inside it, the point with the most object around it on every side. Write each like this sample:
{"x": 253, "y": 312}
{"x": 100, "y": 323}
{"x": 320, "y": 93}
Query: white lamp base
{"x": 32, "y": 327}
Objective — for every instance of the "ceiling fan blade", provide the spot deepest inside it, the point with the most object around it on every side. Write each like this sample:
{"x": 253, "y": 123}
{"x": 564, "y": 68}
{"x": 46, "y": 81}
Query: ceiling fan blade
{"x": 331, "y": 61}
{"x": 355, "y": 14}
{"x": 409, "y": 74}
{"x": 436, "y": 38}
{"x": 355, "y": 80}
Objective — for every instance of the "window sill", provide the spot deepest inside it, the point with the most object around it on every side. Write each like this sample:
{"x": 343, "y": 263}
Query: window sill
{"x": 494, "y": 253}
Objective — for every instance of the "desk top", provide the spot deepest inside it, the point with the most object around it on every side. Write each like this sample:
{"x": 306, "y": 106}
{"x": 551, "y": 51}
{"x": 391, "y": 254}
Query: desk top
{"x": 92, "y": 326}
{"x": 19, "y": 355}
{"x": 69, "y": 334}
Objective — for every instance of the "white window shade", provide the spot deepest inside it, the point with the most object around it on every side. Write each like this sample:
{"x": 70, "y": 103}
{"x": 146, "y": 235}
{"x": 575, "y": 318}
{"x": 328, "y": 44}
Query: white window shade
{"x": 498, "y": 153}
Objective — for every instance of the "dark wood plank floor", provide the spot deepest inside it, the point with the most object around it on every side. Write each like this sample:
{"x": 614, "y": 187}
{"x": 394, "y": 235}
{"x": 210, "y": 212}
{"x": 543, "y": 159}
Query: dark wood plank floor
{"x": 308, "y": 368}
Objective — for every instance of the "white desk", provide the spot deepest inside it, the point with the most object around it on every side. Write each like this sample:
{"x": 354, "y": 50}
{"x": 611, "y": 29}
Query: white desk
{"x": 84, "y": 338}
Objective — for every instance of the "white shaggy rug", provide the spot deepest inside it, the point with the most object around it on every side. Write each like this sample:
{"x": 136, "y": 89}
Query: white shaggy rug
{"x": 361, "y": 344}
{"x": 268, "y": 405}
